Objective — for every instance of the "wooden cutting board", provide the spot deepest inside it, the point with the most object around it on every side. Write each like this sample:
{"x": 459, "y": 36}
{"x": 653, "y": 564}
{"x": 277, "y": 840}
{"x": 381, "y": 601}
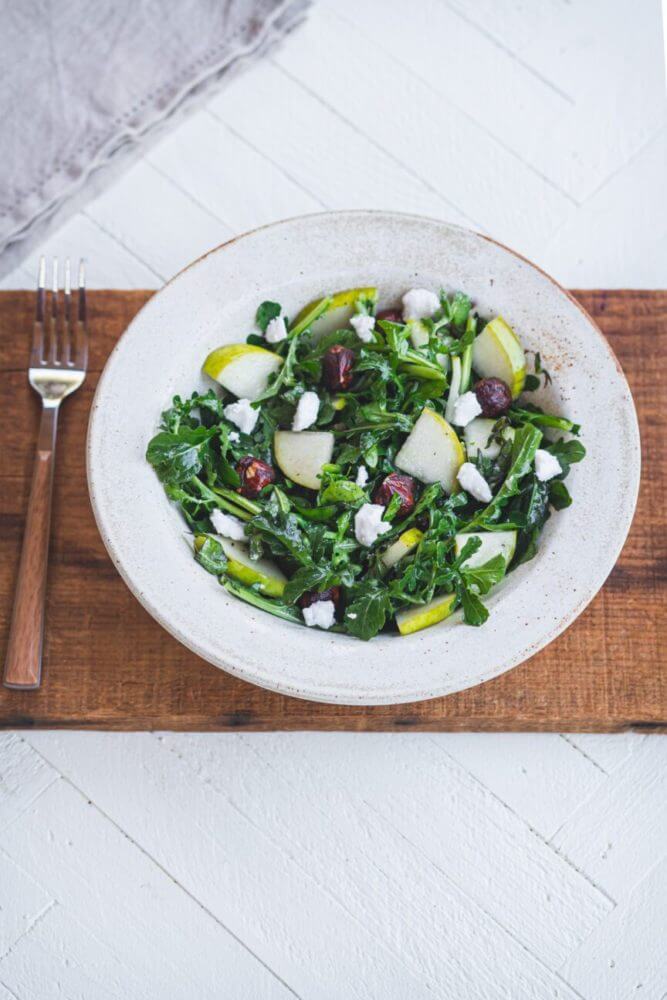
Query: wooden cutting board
{"x": 108, "y": 665}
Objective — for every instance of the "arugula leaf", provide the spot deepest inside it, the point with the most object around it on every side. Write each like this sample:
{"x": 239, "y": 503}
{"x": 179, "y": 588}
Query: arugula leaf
{"x": 460, "y": 307}
{"x": 531, "y": 384}
{"x": 474, "y": 611}
{"x": 342, "y": 491}
{"x": 367, "y": 612}
{"x": 482, "y": 578}
{"x": 567, "y": 453}
{"x": 306, "y": 578}
{"x": 265, "y": 313}
{"x": 526, "y": 442}
{"x": 209, "y": 554}
{"x": 283, "y": 535}
{"x": 178, "y": 457}
{"x": 559, "y": 495}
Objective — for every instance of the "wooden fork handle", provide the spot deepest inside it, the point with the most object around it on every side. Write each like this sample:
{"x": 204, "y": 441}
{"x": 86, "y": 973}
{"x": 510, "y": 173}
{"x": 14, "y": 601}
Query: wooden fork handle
{"x": 23, "y": 666}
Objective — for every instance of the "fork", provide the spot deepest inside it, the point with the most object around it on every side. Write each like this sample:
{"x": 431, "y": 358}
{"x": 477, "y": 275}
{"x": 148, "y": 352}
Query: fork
{"x": 57, "y": 367}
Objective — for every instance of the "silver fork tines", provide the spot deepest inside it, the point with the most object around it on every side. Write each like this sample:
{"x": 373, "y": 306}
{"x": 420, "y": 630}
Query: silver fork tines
{"x": 59, "y": 355}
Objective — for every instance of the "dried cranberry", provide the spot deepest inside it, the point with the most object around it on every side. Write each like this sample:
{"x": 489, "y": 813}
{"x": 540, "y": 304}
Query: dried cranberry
{"x": 494, "y": 396}
{"x": 390, "y": 315}
{"x": 396, "y": 483}
{"x": 313, "y": 596}
{"x": 254, "y": 475}
{"x": 337, "y": 365}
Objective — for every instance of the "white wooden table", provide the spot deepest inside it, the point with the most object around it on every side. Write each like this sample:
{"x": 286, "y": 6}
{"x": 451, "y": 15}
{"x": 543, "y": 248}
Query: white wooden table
{"x": 367, "y": 866}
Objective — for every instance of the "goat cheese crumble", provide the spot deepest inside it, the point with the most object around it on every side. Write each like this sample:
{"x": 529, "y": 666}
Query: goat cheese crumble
{"x": 466, "y": 408}
{"x": 306, "y": 411}
{"x": 275, "y": 330}
{"x": 363, "y": 326}
{"x": 474, "y": 483}
{"x": 419, "y": 303}
{"x": 234, "y": 436}
{"x": 243, "y": 414}
{"x": 228, "y": 526}
{"x": 546, "y": 465}
{"x": 362, "y": 476}
{"x": 320, "y": 613}
{"x": 368, "y": 523}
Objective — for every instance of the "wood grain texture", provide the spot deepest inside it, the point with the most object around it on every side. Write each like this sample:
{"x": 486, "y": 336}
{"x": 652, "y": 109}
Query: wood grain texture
{"x": 108, "y": 665}
{"x": 23, "y": 665}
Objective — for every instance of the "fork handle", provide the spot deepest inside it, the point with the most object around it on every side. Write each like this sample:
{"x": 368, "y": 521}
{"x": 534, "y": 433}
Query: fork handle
{"x": 23, "y": 665}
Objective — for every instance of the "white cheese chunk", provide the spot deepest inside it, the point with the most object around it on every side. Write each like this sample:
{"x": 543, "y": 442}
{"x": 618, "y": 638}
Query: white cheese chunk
{"x": 306, "y": 411}
{"x": 419, "y": 303}
{"x": 276, "y": 330}
{"x": 363, "y": 327}
{"x": 320, "y": 613}
{"x": 546, "y": 465}
{"x": 474, "y": 483}
{"x": 362, "y": 476}
{"x": 368, "y": 523}
{"x": 234, "y": 436}
{"x": 243, "y": 414}
{"x": 228, "y": 526}
{"x": 466, "y": 408}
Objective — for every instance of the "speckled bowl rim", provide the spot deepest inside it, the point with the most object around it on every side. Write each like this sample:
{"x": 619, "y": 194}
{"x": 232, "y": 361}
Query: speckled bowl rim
{"x": 358, "y": 694}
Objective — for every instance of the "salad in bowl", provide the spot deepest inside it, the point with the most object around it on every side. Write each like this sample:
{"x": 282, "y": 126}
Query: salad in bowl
{"x": 367, "y": 470}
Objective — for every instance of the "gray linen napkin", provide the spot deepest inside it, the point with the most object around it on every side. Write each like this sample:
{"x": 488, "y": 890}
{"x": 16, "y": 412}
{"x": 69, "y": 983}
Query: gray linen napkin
{"x": 86, "y": 86}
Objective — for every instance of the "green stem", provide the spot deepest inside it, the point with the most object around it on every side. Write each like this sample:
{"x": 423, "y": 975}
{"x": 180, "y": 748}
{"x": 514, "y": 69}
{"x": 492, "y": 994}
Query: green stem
{"x": 236, "y": 498}
{"x": 263, "y": 603}
{"x": 219, "y": 501}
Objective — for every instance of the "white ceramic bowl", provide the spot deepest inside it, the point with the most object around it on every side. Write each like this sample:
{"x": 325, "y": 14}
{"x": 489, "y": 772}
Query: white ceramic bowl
{"x": 212, "y": 302}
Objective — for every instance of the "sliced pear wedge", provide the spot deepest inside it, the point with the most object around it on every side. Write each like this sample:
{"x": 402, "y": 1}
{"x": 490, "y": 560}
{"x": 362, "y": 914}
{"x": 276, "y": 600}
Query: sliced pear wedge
{"x": 494, "y": 543}
{"x": 497, "y": 353}
{"x": 332, "y": 312}
{"x": 271, "y": 580}
{"x": 301, "y": 455}
{"x": 403, "y": 546}
{"x": 477, "y": 436}
{"x": 262, "y": 571}
{"x": 244, "y": 369}
{"x": 423, "y": 615}
{"x": 432, "y": 451}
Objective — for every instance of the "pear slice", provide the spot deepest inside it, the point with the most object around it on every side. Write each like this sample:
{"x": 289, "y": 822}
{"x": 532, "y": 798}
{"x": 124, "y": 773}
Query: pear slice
{"x": 497, "y": 353}
{"x": 332, "y": 312}
{"x": 262, "y": 571}
{"x": 404, "y": 544}
{"x": 494, "y": 543}
{"x": 422, "y": 615}
{"x": 476, "y": 436}
{"x": 432, "y": 451}
{"x": 301, "y": 455}
{"x": 244, "y": 369}
{"x": 250, "y": 571}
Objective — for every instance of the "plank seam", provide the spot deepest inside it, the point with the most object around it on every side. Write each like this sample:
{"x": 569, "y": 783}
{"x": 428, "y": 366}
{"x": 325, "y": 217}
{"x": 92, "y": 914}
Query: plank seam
{"x": 532, "y": 829}
{"x": 116, "y": 239}
{"x": 268, "y": 159}
{"x": 384, "y": 820}
{"x": 373, "y": 142}
{"x": 514, "y": 56}
{"x": 466, "y": 114}
{"x": 583, "y": 753}
{"x": 171, "y": 878}
{"x": 31, "y": 926}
